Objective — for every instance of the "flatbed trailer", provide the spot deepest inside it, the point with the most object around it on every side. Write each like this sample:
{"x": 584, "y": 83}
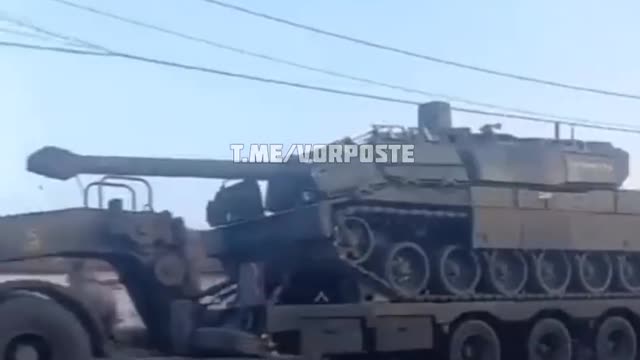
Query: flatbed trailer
{"x": 406, "y": 330}
{"x": 431, "y": 327}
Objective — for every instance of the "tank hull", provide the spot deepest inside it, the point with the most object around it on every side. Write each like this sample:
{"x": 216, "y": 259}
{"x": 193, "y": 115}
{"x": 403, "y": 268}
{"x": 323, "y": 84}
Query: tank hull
{"x": 481, "y": 231}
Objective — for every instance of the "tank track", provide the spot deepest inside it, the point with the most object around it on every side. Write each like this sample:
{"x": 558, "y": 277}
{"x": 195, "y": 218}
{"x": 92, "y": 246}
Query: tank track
{"x": 377, "y": 282}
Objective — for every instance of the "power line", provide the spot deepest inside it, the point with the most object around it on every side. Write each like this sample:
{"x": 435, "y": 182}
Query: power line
{"x": 69, "y": 40}
{"x": 245, "y": 51}
{"x": 430, "y": 58}
{"x": 543, "y": 120}
{"x": 212, "y": 71}
{"x": 52, "y": 49}
{"x": 130, "y": 21}
{"x": 302, "y": 85}
{"x": 107, "y": 52}
{"x": 22, "y": 34}
{"x": 35, "y": 36}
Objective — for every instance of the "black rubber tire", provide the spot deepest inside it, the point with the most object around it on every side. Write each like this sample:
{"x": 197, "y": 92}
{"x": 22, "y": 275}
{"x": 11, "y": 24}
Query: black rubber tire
{"x": 563, "y": 349}
{"x": 58, "y": 329}
{"x": 479, "y": 331}
{"x": 628, "y": 340}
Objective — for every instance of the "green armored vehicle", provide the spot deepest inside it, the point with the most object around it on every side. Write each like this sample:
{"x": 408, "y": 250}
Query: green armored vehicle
{"x": 471, "y": 216}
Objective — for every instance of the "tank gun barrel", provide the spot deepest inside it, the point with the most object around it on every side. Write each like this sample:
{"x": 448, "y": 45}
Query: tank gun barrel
{"x": 57, "y": 163}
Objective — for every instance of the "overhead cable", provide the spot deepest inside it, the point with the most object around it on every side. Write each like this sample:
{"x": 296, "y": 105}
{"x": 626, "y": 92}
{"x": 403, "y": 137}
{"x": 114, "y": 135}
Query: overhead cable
{"x": 301, "y": 85}
{"x": 426, "y": 57}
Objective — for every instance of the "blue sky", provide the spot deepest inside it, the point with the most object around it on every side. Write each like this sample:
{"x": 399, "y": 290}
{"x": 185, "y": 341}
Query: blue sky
{"x": 110, "y": 106}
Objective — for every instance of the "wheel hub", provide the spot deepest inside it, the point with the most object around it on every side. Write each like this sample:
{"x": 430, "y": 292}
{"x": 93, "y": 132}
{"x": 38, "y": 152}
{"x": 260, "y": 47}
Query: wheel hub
{"x": 614, "y": 342}
{"x": 472, "y": 349}
{"x": 402, "y": 269}
{"x": 549, "y": 339}
{"x": 28, "y": 347}
{"x": 25, "y": 352}
{"x": 502, "y": 271}
{"x": 453, "y": 269}
{"x": 628, "y": 269}
{"x": 547, "y": 347}
{"x": 548, "y": 271}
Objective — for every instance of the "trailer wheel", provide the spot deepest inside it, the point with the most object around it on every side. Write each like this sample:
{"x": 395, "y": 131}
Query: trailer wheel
{"x": 474, "y": 340}
{"x": 616, "y": 340}
{"x": 38, "y": 328}
{"x": 549, "y": 339}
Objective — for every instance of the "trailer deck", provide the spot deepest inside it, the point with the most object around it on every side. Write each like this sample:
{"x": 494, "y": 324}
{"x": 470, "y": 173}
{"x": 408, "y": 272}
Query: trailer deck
{"x": 362, "y": 329}
{"x": 390, "y": 327}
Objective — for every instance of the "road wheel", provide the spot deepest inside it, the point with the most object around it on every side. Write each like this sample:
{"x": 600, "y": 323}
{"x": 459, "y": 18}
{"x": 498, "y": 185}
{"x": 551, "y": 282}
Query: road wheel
{"x": 406, "y": 269}
{"x": 549, "y": 339}
{"x": 474, "y": 340}
{"x": 551, "y": 272}
{"x": 628, "y": 272}
{"x": 594, "y": 271}
{"x": 507, "y": 272}
{"x": 616, "y": 340}
{"x": 459, "y": 270}
{"x": 37, "y": 328}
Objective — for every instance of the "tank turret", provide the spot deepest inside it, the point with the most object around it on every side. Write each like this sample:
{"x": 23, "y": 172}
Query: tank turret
{"x": 443, "y": 152}
{"x": 553, "y": 163}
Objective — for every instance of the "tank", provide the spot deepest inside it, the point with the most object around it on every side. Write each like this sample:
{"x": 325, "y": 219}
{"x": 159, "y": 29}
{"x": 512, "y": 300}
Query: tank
{"x": 471, "y": 215}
